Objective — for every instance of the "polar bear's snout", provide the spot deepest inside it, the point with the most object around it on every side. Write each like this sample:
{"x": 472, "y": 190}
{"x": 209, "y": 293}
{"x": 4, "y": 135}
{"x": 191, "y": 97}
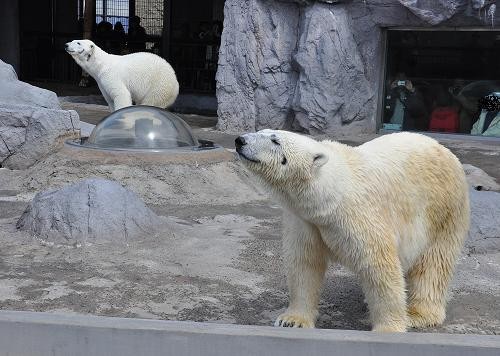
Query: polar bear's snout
{"x": 244, "y": 148}
{"x": 239, "y": 143}
{"x": 67, "y": 47}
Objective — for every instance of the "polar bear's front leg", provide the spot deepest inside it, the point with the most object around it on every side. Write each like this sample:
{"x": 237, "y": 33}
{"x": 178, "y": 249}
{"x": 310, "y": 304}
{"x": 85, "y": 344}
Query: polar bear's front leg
{"x": 106, "y": 96}
{"x": 305, "y": 257}
{"x": 383, "y": 284}
{"x": 122, "y": 99}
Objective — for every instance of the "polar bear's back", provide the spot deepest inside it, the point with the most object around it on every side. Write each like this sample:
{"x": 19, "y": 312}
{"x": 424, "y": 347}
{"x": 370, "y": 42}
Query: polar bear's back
{"x": 150, "y": 79}
{"x": 411, "y": 162}
{"x": 405, "y": 149}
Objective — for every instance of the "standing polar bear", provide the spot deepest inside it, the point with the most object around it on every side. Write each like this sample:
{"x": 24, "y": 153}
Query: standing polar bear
{"x": 141, "y": 78}
{"x": 393, "y": 209}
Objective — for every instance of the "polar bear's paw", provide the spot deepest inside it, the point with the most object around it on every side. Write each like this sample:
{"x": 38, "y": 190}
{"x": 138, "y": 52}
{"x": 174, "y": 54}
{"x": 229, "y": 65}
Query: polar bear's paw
{"x": 294, "y": 320}
{"x": 426, "y": 316}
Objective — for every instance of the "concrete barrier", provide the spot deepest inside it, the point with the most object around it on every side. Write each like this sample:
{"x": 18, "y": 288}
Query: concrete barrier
{"x": 28, "y": 333}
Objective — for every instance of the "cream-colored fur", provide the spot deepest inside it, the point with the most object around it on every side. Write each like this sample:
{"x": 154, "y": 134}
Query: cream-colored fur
{"x": 394, "y": 210}
{"x": 141, "y": 78}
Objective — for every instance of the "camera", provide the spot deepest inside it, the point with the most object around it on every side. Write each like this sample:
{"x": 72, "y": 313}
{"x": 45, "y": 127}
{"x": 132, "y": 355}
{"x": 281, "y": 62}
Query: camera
{"x": 401, "y": 83}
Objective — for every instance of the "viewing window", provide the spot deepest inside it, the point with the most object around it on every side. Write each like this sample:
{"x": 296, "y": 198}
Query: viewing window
{"x": 443, "y": 81}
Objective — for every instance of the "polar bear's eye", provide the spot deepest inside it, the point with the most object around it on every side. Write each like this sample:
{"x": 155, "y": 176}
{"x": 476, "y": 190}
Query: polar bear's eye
{"x": 275, "y": 141}
{"x": 283, "y": 161}
{"x": 78, "y": 43}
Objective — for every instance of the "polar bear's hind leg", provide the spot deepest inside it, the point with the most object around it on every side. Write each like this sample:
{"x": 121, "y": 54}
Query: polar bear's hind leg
{"x": 428, "y": 282}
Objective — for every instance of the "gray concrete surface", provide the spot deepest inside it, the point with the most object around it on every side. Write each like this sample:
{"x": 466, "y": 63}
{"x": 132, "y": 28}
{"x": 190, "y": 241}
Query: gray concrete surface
{"x": 218, "y": 259}
{"x": 23, "y": 333}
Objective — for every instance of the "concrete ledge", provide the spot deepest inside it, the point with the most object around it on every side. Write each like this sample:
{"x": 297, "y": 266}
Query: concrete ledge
{"x": 29, "y": 333}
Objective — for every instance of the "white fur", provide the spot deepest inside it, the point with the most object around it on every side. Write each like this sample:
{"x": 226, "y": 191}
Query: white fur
{"x": 394, "y": 210}
{"x": 141, "y": 78}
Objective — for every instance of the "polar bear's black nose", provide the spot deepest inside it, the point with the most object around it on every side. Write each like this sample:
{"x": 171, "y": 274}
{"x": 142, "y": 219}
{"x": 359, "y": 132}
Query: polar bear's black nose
{"x": 66, "y": 46}
{"x": 240, "y": 141}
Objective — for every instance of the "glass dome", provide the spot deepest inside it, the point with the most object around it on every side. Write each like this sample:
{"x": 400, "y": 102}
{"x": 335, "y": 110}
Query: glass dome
{"x": 141, "y": 128}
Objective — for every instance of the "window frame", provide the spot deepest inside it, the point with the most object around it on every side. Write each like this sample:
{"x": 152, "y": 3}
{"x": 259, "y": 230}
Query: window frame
{"x": 383, "y": 73}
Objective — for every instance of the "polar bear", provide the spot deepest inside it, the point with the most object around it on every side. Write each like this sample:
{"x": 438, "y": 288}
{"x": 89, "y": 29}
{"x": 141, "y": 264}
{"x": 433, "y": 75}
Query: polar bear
{"x": 141, "y": 78}
{"x": 394, "y": 210}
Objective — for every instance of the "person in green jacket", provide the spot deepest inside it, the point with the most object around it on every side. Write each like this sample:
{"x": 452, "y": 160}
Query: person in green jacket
{"x": 488, "y": 123}
{"x": 493, "y": 129}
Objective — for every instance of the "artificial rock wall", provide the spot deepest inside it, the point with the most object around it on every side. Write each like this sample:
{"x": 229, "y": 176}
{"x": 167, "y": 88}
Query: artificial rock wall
{"x": 315, "y": 67}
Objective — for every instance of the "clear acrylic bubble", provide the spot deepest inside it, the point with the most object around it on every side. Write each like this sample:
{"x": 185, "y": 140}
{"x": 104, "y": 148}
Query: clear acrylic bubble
{"x": 141, "y": 128}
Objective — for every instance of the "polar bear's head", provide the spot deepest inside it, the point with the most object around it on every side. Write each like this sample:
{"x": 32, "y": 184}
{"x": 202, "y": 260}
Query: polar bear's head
{"x": 80, "y": 50}
{"x": 280, "y": 156}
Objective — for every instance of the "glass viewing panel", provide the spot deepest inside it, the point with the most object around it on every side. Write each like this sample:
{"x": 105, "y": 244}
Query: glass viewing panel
{"x": 141, "y": 127}
{"x": 443, "y": 81}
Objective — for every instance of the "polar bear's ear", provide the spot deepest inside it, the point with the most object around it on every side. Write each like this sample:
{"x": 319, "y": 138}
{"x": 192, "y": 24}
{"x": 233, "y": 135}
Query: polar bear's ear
{"x": 319, "y": 160}
{"x": 91, "y": 52}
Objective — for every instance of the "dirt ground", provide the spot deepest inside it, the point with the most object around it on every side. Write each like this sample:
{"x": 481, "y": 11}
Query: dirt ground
{"x": 217, "y": 257}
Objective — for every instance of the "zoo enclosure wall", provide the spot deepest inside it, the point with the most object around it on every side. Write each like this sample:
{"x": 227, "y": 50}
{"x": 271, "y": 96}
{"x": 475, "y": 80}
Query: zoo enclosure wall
{"x": 29, "y": 333}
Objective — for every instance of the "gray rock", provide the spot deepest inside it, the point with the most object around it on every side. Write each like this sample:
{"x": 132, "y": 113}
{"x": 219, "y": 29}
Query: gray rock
{"x": 479, "y": 179}
{"x": 326, "y": 99}
{"x": 7, "y": 72}
{"x": 284, "y": 66}
{"x": 313, "y": 66}
{"x": 92, "y": 210}
{"x": 484, "y": 236}
{"x": 255, "y": 78}
{"x": 435, "y": 11}
{"x": 13, "y": 91}
{"x": 29, "y": 133}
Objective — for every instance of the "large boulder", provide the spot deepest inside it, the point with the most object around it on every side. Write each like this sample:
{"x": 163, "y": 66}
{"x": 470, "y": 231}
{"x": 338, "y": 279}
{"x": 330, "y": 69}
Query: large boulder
{"x": 484, "y": 236}
{"x": 92, "y": 210}
{"x": 255, "y": 76}
{"x": 326, "y": 100}
{"x": 284, "y": 65}
{"x": 31, "y": 121}
{"x": 314, "y": 66}
{"x": 14, "y": 91}
{"x": 29, "y": 133}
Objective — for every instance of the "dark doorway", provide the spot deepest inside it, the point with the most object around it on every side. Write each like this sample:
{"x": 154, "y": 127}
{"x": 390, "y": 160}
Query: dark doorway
{"x": 196, "y": 27}
{"x": 45, "y": 25}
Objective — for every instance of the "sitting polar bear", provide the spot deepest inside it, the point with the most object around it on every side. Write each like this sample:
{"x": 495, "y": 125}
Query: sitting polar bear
{"x": 393, "y": 209}
{"x": 141, "y": 78}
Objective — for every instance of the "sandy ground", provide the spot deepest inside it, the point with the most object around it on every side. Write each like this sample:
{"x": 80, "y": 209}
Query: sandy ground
{"x": 217, "y": 257}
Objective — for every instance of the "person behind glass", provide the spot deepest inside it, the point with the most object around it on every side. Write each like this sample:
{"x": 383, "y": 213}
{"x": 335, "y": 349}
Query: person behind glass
{"x": 405, "y": 105}
{"x": 104, "y": 36}
{"x": 216, "y": 31}
{"x": 444, "y": 116}
{"x": 136, "y": 35}
{"x": 488, "y": 123}
{"x": 204, "y": 33}
{"x": 118, "y": 42}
